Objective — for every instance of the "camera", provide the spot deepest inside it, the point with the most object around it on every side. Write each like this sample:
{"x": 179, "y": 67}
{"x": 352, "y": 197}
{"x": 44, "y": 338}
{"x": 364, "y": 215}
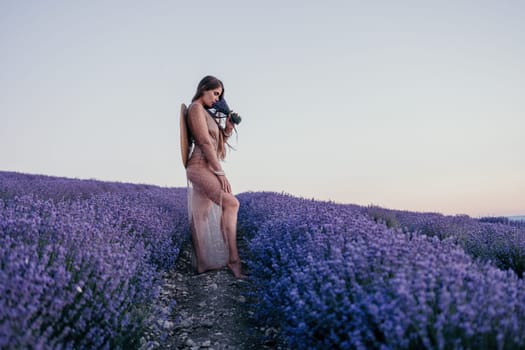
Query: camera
{"x": 222, "y": 111}
{"x": 235, "y": 118}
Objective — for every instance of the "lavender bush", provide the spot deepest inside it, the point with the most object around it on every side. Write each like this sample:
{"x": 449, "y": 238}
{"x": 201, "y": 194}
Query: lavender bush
{"x": 502, "y": 220}
{"x": 60, "y": 188}
{"x": 490, "y": 239}
{"x": 331, "y": 277}
{"x": 78, "y": 268}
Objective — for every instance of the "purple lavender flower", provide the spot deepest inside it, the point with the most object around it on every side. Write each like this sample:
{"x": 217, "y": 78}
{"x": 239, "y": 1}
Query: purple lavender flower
{"x": 80, "y": 260}
{"x": 331, "y": 277}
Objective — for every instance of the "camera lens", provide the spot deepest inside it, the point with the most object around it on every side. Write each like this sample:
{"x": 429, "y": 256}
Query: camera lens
{"x": 235, "y": 118}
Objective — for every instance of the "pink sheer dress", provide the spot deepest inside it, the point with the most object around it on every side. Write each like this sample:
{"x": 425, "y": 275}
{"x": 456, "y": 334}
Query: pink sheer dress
{"x": 204, "y": 199}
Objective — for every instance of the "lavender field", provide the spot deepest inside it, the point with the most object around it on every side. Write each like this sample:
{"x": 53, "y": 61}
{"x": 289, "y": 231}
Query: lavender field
{"x": 80, "y": 262}
{"x": 337, "y": 276}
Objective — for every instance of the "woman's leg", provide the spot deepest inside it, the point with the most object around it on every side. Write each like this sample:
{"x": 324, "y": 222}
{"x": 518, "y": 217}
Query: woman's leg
{"x": 230, "y": 208}
{"x": 200, "y": 208}
{"x": 208, "y": 185}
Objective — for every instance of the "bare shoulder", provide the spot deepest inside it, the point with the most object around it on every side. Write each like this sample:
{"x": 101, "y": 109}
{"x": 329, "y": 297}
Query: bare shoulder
{"x": 195, "y": 109}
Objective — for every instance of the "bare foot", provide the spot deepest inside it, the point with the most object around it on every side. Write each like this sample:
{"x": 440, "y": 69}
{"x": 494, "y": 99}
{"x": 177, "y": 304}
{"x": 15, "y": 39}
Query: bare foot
{"x": 236, "y": 268}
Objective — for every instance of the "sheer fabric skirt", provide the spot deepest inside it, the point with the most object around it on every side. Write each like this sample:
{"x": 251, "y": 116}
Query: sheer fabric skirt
{"x": 205, "y": 216}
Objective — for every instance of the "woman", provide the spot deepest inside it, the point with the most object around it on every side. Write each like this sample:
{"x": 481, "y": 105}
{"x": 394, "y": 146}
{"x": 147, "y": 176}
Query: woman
{"x": 212, "y": 206}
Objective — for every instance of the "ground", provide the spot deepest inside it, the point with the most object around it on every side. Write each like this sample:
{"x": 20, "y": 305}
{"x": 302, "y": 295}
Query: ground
{"x": 212, "y": 311}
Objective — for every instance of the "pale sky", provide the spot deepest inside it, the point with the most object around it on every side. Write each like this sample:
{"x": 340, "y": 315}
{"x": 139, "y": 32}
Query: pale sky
{"x": 415, "y": 105}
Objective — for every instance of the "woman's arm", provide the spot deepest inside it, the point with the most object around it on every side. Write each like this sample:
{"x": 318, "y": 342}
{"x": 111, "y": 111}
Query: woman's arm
{"x": 228, "y": 130}
{"x": 199, "y": 130}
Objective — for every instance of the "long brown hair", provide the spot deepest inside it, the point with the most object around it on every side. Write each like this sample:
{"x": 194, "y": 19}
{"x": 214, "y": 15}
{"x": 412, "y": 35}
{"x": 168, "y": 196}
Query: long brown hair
{"x": 207, "y": 83}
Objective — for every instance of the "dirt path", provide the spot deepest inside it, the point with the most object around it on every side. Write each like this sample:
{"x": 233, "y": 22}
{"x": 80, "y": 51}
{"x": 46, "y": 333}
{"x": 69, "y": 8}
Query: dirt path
{"x": 211, "y": 312}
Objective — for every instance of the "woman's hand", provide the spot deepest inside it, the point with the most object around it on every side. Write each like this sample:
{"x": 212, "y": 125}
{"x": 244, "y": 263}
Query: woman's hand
{"x": 229, "y": 127}
{"x": 225, "y": 184}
